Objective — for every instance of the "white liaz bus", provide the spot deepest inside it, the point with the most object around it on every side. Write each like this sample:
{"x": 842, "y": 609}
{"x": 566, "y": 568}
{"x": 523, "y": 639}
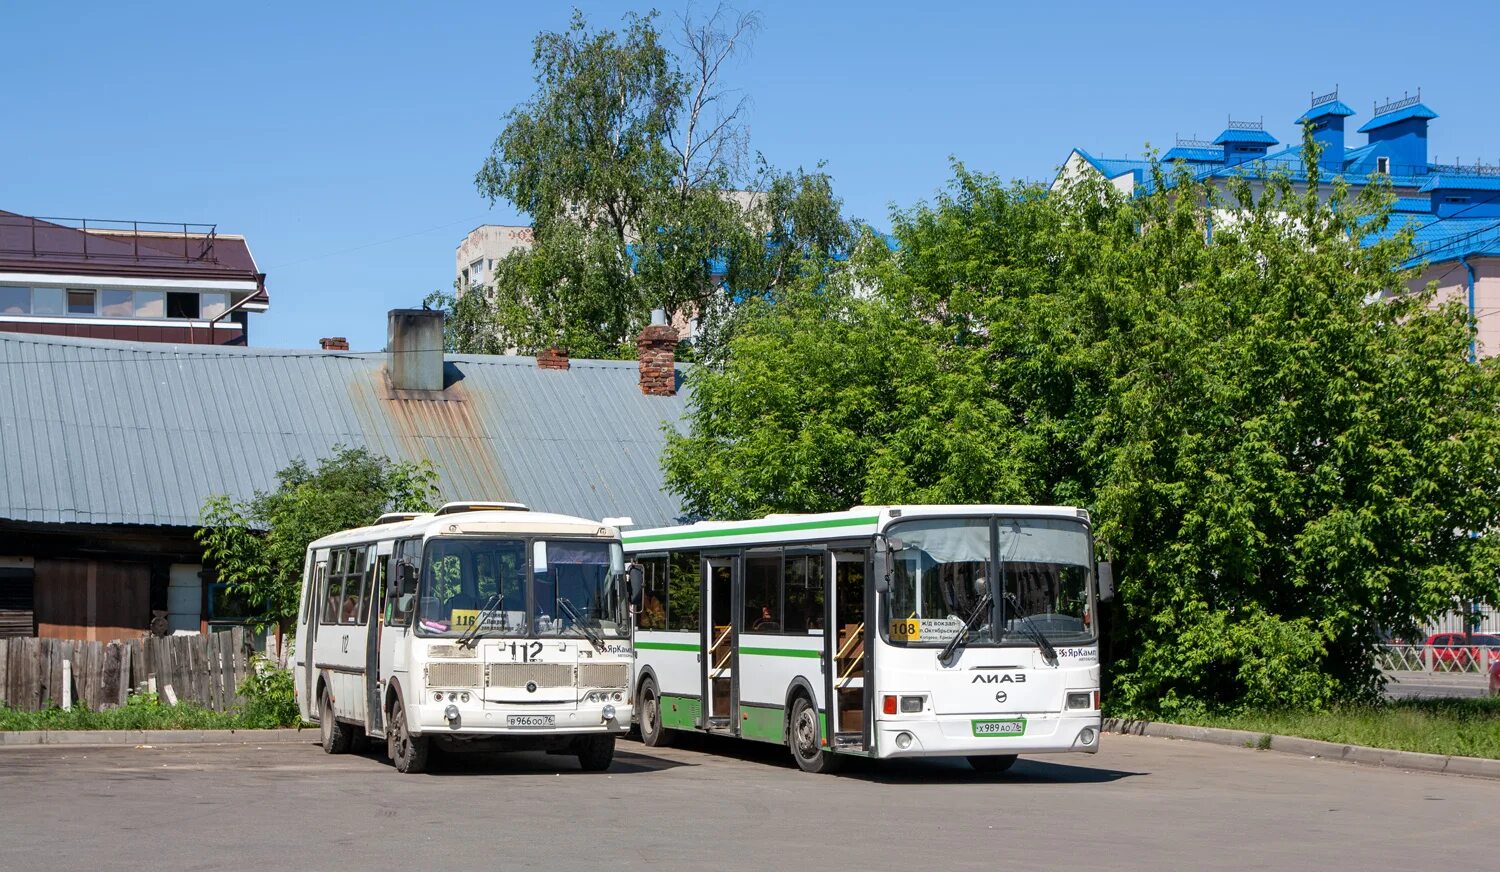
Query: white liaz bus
{"x": 481, "y": 626}
{"x": 890, "y": 631}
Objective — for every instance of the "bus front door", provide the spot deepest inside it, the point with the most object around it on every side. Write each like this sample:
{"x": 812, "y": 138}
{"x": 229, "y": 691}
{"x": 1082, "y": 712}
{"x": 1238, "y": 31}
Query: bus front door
{"x": 721, "y": 646}
{"x": 848, "y": 700}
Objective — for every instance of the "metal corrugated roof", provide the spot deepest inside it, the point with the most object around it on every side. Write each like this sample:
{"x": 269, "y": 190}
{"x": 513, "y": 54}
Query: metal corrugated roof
{"x": 1453, "y": 182}
{"x": 1415, "y": 110}
{"x": 1334, "y": 107}
{"x": 1258, "y": 137}
{"x": 106, "y": 432}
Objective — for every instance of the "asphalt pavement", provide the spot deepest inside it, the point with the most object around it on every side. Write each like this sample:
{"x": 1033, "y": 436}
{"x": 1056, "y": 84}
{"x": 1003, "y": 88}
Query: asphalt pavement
{"x": 1431, "y": 685}
{"x": 1142, "y": 803}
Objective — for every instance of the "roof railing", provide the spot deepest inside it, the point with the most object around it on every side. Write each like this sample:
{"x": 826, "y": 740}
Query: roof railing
{"x": 70, "y": 237}
{"x": 1247, "y": 125}
{"x": 1405, "y": 101}
{"x": 1194, "y": 142}
{"x": 1474, "y": 169}
{"x": 1324, "y": 98}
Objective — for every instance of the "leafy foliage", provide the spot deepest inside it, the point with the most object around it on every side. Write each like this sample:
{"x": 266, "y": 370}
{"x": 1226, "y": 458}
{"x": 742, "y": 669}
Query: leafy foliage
{"x": 258, "y": 547}
{"x": 628, "y": 160}
{"x": 270, "y": 697}
{"x": 1279, "y": 467}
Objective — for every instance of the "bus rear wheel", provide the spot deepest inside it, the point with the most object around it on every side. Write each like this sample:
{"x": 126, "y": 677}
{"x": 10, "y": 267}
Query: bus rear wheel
{"x": 408, "y": 753}
{"x": 653, "y": 734}
{"x": 992, "y": 764}
{"x": 595, "y": 753}
{"x": 805, "y": 735}
{"x": 337, "y": 737}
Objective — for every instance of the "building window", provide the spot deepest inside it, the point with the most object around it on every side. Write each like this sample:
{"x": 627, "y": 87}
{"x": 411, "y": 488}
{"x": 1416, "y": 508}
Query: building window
{"x": 116, "y": 304}
{"x": 48, "y": 301}
{"x": 150, "y": 304}
{"x": 212, "y": 305}
{"x": 182, "y": 305}
{"x": 80, "y": 302}
{"x": 1383, "y": 165}
{"x": 15, "y": 301}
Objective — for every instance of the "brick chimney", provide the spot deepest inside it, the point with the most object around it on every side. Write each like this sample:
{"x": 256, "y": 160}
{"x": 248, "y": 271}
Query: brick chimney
{"x": 334, "y": 343}
{"x": 552, "y": 358}
{"x": 657, "y": 347}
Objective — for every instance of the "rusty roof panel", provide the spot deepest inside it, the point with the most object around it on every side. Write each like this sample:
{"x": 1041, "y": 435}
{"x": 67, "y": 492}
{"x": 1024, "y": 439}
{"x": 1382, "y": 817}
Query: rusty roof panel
{"x": 109, "y": 432}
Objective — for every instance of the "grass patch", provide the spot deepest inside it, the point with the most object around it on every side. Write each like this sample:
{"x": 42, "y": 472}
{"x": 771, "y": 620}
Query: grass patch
{"x": 1459, "y": 727}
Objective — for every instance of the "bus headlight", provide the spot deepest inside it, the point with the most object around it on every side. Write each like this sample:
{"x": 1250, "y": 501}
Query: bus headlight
{"x": 911, "y": 704}
{"x": 608, "y": 712}
{"x": 1080, "y": 700}
{"x": 1087, "y": 735}
{"x": 903, "y": 740}
{"x": 451, "y": 713}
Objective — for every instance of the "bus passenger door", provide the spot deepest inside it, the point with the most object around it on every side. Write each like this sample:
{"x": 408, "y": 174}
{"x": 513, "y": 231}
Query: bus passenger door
{"x": 306, "y": 642}
{"x": 721, "y": 642}
{"x": 848, "y": 702}
{"x": 375, "y": 642}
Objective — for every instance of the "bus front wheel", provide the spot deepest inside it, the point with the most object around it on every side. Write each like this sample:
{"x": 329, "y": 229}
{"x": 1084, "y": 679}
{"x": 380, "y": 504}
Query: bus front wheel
{"x": 805, "y": 735}
{"x": 595, "y": 753}
{"x": 992, "y": 764}
{"x": 407, "y": 752}
{"x": 653, "y": 734}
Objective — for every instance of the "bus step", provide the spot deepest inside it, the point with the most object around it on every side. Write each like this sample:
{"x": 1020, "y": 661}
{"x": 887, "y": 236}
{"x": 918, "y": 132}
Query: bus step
{"x": 847, "y": 740}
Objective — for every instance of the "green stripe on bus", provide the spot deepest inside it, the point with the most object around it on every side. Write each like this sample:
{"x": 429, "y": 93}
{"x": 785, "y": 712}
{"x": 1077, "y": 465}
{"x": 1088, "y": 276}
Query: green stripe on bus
{"x": 745, "y": 531}
{"x": 782, "y": 652}
{"x": 668, "y": 646}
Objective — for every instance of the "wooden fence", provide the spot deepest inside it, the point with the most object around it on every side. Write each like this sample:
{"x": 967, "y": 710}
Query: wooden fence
{"x": 205, "y": 670}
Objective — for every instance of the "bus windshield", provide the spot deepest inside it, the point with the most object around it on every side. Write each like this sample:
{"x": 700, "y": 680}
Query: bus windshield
{"x": 488, "y": 581}
{"x": 1036, "y": 572}
{"x": 573, "y": 586}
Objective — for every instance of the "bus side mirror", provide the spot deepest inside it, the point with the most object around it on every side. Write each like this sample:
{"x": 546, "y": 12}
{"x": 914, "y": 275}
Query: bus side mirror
{"x": 635, "y": 585}
{"x": 406, "y": 581}
{"x": 1106, "y": 576}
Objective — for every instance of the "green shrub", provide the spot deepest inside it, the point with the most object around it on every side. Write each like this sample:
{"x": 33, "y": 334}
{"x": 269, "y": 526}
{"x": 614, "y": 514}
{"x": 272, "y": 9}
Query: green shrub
{"x": 270, "y": 697}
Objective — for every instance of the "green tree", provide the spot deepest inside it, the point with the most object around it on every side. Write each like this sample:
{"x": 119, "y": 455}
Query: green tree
{"x": 629, "y": 160}
{"x": 1279, "y": 467}
{"x": 257, "y": 547}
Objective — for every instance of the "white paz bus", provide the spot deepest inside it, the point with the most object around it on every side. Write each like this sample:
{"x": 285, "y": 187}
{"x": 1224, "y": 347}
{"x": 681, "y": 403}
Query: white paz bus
{"x": 479, "y": 626}
{"x": 893, "y": 631}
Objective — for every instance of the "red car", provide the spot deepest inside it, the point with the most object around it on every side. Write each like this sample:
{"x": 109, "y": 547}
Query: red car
{"x": 1463, "y": 650}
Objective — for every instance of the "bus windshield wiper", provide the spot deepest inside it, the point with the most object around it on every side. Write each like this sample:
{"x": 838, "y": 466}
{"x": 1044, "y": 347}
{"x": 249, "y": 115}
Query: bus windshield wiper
{"x": 471, "y": 635}
{"x": 1049, "y": 653}
{"x": 594, "y": 638}
{"x": 963, "y": 632}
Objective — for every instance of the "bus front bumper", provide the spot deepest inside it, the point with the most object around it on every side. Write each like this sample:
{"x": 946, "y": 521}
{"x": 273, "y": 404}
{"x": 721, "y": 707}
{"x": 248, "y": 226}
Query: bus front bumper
{"x": 431, "y": 719}
{"x": 980, "y": 734}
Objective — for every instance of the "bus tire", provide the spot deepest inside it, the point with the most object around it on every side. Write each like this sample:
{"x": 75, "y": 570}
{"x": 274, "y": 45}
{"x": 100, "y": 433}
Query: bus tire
{"x": 653, "y": 734}
{"x": 805, "y": 736}
{"x": 595, "y": 753}
{"x": 336, "y": 736}
{"x": 408, "y": 753}
{"x": 992, "y": 764}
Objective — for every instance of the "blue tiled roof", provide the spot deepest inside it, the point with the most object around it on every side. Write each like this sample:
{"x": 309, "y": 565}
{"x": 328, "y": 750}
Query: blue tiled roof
{"x": 1453, "y": 182}
{"x": 1337, "y": 107}
{"x": 1257, "y": 136}
{"x": 1412, "y": 204}
{"x": 1189, "y": 153}
{"x": 1416, "y": 110}
{"x": 1439, "y": 239}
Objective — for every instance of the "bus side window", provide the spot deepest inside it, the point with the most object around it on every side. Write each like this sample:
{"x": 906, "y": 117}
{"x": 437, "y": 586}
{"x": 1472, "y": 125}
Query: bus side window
{"x": 653, "y": 608}
{"x": 683, "y": 595}
{"x": 803, "y": 583}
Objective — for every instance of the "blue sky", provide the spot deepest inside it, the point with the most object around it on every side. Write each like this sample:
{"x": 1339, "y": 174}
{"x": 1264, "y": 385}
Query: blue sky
{"x": 342, "y": 140}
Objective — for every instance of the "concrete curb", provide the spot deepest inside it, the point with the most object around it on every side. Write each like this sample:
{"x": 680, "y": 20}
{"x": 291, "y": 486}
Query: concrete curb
{"x": 1474, "y": 766}
{"x": 32, "y": 738}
